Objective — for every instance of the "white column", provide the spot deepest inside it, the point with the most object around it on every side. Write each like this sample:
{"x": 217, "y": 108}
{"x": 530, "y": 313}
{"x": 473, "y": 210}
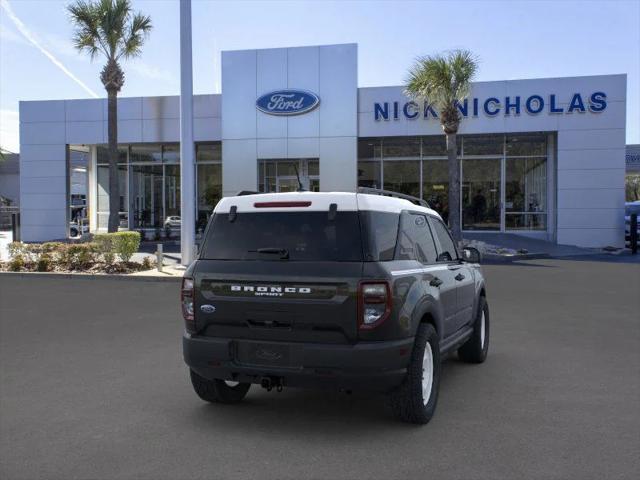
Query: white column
{"x": 187, "y": 148}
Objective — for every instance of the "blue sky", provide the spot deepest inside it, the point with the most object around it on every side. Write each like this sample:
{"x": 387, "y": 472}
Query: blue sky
{"x": 512, "y": 39}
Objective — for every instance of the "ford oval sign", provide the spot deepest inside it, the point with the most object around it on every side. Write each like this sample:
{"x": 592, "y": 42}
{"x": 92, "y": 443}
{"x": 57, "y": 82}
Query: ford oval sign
{"x": 287, "y": 102}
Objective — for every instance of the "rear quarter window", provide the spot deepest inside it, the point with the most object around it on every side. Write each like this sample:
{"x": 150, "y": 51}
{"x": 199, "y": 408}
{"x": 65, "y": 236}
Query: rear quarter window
{"x": 379, "y": 233}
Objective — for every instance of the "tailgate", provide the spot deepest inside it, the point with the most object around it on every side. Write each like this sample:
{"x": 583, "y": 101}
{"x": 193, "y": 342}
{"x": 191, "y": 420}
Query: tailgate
{"x": 279, "y": 301}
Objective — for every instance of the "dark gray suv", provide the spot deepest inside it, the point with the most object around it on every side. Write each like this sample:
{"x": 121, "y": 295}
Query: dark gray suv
{"x": 339, "y": 290}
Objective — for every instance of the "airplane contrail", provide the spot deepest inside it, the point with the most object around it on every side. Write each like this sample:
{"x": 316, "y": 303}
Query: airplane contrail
{"x": 31, "y": 38}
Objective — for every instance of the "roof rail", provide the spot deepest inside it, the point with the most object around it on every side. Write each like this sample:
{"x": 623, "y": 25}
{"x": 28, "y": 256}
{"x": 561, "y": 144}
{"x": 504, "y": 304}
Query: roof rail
{"x": 242, "y": 193}
{"x": 390, "y": 193}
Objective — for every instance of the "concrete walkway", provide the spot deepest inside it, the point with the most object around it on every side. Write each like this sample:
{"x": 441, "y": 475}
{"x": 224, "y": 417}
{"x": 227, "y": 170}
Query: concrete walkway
{"x": 532, "y": 245}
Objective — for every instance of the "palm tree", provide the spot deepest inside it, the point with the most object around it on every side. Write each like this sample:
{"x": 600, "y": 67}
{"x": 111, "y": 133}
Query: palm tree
{"x": 112, "y": 29}
{"x": 444, "y": 81}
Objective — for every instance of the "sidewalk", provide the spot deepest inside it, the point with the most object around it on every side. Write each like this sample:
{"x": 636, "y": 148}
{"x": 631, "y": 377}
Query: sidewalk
{"x": 518, "y": 248}
{"x": 531, "y": 245}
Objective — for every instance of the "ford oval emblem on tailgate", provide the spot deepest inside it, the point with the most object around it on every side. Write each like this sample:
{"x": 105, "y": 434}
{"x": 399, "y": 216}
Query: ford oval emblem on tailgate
{"x": 207, "y": 308}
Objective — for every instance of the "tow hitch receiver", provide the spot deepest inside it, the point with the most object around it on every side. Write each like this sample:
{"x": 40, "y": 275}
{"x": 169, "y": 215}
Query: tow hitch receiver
{"x": 269, "y": 383}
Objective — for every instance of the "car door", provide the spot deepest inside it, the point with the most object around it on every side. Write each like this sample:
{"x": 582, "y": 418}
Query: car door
{"x": 460, "y": 274}
{"x": 417, "y": 242}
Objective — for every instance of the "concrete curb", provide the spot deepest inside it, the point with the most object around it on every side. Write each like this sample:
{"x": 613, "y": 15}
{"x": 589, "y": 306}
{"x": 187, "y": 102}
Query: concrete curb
{"x": 488, "y": 258}
{"x": 91, "y": 276}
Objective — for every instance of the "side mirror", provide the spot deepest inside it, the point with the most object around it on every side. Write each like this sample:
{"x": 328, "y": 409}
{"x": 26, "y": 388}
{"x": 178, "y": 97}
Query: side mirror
{"x": 471, "y": 255}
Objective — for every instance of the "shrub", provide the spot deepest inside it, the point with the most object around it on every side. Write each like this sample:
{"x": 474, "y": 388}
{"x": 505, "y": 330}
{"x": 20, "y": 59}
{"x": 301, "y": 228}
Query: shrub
{"x": 77, "y": 256}
{"x": 16, "y": 248}
{"x": 147, "y": 264}
{"x": 44, "y": 263}
{"x": 105, "y": 247}
{"x": 126, "y": 244}
{"x": 16, "y": 263}
{"x": 51, "y": 247}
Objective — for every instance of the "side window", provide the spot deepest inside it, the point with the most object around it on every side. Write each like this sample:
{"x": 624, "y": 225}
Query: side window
{"x": 415, "y": 241}
{"x": 447, "y": 251}
{"x": 379, "y": 234}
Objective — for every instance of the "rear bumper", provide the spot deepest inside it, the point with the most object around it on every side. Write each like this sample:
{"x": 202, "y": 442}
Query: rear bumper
{"x": 378, "y": 366}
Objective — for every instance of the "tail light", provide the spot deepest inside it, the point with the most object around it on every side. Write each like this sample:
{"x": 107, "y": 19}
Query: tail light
{"x": 186, "y": 299}
{"x": 375, "y": 301}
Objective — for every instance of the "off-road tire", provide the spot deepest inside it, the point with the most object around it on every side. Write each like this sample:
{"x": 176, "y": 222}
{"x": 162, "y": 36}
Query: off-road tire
{"x": 407, "y": 402}
{"x": 475, "y": 349}
{"x": 217, "y": 391}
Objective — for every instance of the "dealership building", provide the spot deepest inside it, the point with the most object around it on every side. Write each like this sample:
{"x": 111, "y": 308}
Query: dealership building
{"x": 543, "y": 158}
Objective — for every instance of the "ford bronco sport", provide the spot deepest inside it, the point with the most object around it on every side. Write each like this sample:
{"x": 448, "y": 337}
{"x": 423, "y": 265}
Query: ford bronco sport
{"x": 344, "y": 290}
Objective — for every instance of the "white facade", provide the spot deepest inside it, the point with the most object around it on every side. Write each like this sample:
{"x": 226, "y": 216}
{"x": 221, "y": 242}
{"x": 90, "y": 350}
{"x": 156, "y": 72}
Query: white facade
{"x": 585, "y": 160}
{"x": 329, "y": 132}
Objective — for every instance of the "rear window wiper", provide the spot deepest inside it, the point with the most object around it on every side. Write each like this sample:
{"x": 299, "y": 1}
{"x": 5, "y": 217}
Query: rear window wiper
{"x": 283, "y": 252}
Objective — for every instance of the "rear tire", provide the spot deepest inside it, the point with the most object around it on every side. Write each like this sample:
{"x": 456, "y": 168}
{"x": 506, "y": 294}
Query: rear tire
{"x": 218, "y": 391}
{"x": 415, "y": 400}
{"x": 476, "y": 348}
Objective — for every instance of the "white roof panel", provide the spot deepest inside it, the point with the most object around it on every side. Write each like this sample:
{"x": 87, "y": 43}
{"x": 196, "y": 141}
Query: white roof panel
{"x": 318, "y": 201}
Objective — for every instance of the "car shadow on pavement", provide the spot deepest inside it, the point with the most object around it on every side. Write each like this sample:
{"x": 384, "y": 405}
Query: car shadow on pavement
{"x": 324, "y": 412}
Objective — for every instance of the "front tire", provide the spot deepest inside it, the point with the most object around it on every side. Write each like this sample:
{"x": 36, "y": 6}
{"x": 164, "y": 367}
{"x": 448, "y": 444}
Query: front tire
{"x": 476, "y": 348}
{"x": 218, "y": 391}
{"x": 415, "y": 400}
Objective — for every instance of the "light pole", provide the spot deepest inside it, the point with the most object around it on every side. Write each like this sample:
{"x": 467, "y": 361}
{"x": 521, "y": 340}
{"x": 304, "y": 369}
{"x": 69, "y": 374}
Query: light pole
{"x": 187, "y": 147}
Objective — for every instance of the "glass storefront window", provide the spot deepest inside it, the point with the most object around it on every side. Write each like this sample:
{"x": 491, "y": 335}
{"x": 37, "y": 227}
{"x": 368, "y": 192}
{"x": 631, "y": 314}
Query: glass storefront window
{"x": 435, "y": 146}
{"x": 435, "y": 186}
{"x": 402, "y": 176}
{"x": 145, "y": 153}
{"x": 369, "y": 148}
{"x": 525, "y": 193}
{"x": 103, "y": 154}
{"x": 171, "y": 153}
{"x": 401, "y": 147}
{"x": 209, "y": 191}
{"x": 102, "y": 203}
{"x": 481, "y": 194}
{"x": 482, "y": 145}
{"x": 369, "y": 174}
{"x": 526, "y": 221}
{"x": 209, "y": 152}
{"x": 526, "y": 144}
{"x": 505, "y": 190}
{"x": 171, "y": 191}
{"x": 146, "y": 192}
{"x": 287, "y": 175}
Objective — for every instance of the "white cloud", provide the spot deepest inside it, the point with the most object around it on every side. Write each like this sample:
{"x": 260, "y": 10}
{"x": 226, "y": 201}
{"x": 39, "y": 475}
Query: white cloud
{"x": 9, "y": 130}
{"x": 31, "y": 37}
{"x": 8, "y": 35}
{"x": 151, "y": 72}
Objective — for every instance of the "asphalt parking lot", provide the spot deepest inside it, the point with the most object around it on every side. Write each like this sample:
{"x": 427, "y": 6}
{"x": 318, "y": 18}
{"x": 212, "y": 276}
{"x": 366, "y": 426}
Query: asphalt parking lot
{"x": 92, "y": 385}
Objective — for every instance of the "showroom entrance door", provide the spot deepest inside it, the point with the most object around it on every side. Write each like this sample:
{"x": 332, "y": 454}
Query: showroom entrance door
{"x": 288, "y": 175}
{"x": 504, "y": 194}
{"x": 482, "y": 194}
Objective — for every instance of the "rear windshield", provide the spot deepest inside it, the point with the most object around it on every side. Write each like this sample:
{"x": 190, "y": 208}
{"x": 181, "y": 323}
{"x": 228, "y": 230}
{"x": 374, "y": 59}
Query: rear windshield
{"x": 281, "y": 236}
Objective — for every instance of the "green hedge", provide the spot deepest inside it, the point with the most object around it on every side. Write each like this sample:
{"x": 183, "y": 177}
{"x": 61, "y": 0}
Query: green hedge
{"x": 75, "y": 256}
{"x": 126, "y": 244}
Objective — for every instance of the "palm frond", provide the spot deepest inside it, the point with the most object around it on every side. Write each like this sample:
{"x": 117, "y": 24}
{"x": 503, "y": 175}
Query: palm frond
{"x": 139, "y": 29}
{"x": 442, "y": 80}
{"x": 85, "y": 16}
{"x": 109, "y": 27}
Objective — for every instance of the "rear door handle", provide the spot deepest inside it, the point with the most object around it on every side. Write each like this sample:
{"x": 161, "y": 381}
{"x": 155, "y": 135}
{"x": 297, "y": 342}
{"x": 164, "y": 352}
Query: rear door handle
{"x": 459, "y": 277}
{"x": 435, "y": 282}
